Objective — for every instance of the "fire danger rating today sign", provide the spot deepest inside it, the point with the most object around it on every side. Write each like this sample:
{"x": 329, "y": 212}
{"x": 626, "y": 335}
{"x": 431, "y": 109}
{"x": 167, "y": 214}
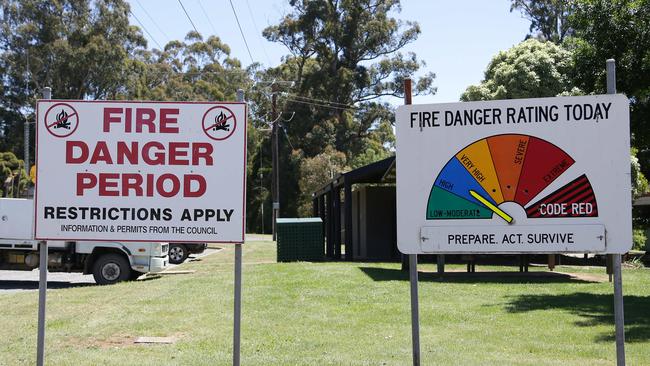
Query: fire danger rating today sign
{"x": 140, "y": 171}
{"x": 515, "y": 176}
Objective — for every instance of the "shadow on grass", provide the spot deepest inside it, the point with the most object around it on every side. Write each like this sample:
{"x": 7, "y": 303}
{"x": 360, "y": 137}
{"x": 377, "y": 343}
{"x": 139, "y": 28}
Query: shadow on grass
{"x": 596, "y": 309}
{"x": 33, "y": 285}
{"x": 390, "y": 274}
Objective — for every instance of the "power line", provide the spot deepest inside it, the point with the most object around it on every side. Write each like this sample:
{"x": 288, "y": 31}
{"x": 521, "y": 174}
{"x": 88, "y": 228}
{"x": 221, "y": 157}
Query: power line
{"x": 145, "y": 29}
{"x": 207, "y": 17}
{"x": 233, "y": 71}
{"x": 257, "y": 31}
{"x": 296, "y": 96}
{"x": 240, "y": 31}
{"x": 319, "y": 104}
{"x": 153, "y": 21}
{"x": 284, "y": 129}
{"x": 188, "y": 17}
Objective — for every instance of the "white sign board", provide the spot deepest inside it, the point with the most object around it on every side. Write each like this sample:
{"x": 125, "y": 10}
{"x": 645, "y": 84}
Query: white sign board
{"x": 140, "y": 171}
{"x": 515, "y": 176}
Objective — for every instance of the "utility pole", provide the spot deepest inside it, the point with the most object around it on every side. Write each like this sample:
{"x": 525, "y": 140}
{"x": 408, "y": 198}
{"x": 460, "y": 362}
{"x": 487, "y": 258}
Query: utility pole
{"x": 47, "y": 94}
{"x": 275, "y": 189}
{"x": 26, "y": 139}
{"x": 42, "y": 283}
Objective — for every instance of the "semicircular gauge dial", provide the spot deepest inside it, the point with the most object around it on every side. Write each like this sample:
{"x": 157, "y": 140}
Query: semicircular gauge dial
{"x": 508, "y": 168}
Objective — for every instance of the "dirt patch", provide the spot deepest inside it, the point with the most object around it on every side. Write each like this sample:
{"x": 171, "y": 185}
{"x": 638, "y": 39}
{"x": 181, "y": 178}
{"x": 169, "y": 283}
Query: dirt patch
{"x": 119, "y": 341}
{"x": 114, "y": 341}
{"x": 156, "y": 340}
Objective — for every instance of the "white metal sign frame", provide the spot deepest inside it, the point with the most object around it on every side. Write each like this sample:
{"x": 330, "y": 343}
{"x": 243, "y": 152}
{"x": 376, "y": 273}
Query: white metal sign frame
{"x": 141, "y": 171}
{"x": 559, "y": 165}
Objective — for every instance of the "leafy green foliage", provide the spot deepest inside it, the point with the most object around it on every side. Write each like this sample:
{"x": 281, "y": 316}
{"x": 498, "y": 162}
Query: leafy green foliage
{"x": 639, "y": 181}
{"x": 547, "y": 17}
{"x": 316, "y": 171}
{"x": 74, "y": 47}
{"x": 87, "y": 49}
{"x": 618, "y": 29}
{"x": 599, "y": 30}
{"x": 13, "y": 178}
{"x": 344, "y": 57}
{"x": 530, "y": 69}
{"x": 196, "y": 69}
{"x": 78, "y": 48}
{"x": 639, "y": 239}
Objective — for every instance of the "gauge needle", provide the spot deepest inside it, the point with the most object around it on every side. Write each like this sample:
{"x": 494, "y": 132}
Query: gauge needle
{"x": 492, "y": 207}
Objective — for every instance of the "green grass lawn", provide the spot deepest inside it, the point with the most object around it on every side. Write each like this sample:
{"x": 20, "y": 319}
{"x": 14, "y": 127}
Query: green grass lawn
{"x": 331, "y": 314}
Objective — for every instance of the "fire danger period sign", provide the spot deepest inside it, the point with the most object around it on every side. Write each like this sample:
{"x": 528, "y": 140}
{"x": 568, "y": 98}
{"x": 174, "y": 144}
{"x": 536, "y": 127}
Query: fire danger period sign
{"x": 140, "y": 171}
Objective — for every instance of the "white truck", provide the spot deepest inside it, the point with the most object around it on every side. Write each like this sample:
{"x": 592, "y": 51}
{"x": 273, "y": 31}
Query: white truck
{"x": 109, "y": 262}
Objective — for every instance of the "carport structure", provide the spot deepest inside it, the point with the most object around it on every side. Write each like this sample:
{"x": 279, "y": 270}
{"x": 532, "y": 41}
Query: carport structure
{"x": 337, "y": 212}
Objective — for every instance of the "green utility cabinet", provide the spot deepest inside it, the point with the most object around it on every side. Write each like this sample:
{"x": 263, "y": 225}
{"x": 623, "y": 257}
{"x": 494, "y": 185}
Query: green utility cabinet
{"x": 300, "y": 239}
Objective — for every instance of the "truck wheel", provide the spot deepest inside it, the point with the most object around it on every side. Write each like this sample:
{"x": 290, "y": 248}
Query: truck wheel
{"x": 111, "y": 268}
{"x": 177, "y": 253}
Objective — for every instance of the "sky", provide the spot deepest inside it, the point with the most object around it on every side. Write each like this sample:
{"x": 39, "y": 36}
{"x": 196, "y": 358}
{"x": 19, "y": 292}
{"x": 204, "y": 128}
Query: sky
{"x": 457, "y": 41}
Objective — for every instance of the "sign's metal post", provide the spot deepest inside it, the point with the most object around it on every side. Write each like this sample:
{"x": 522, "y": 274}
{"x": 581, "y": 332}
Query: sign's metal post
{"x": 42, "y": 284}
{"x": 415, "y": 313}
{"x": 236, "y": 349}
{"x": 616, "y": 258}
{"x": 42, "y": 291}
{"x": 237, "y": 313}
{"x": 413, "y": 270}
{"x": 618, "y": 311}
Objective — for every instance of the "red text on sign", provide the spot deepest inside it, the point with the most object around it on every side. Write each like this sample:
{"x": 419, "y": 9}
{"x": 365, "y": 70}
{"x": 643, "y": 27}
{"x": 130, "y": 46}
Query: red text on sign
{"x": 166, "y": 119}
{"x": 141, "y": 185}
{"x": 151, "y": 153}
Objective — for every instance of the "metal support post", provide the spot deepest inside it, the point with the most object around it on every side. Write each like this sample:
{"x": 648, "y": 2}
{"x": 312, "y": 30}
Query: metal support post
{"x": 619, "y": 318}
{"x": 236, "y": 351}
{"x": 236, "y": 341}
{"x": 415, "y": 312}
{"x": 42, "y": 283}
{"x": 42, "y": 292}
{"x": 618, "y": 311}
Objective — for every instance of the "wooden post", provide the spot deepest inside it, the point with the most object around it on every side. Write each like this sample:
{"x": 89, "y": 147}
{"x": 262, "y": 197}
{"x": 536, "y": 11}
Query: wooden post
{"x": 275, "y": 188}
{"x": 413, "y": 271}
{"x": 551, "y": 262}
{"x": 329, "y": 224}
{"x": 349, "y": 237}
{"x": 337, "y": 223}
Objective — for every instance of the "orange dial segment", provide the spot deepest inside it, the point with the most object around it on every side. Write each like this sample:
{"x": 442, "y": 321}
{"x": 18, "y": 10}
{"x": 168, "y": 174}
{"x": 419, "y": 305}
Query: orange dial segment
{"x": 508, "y": 152}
